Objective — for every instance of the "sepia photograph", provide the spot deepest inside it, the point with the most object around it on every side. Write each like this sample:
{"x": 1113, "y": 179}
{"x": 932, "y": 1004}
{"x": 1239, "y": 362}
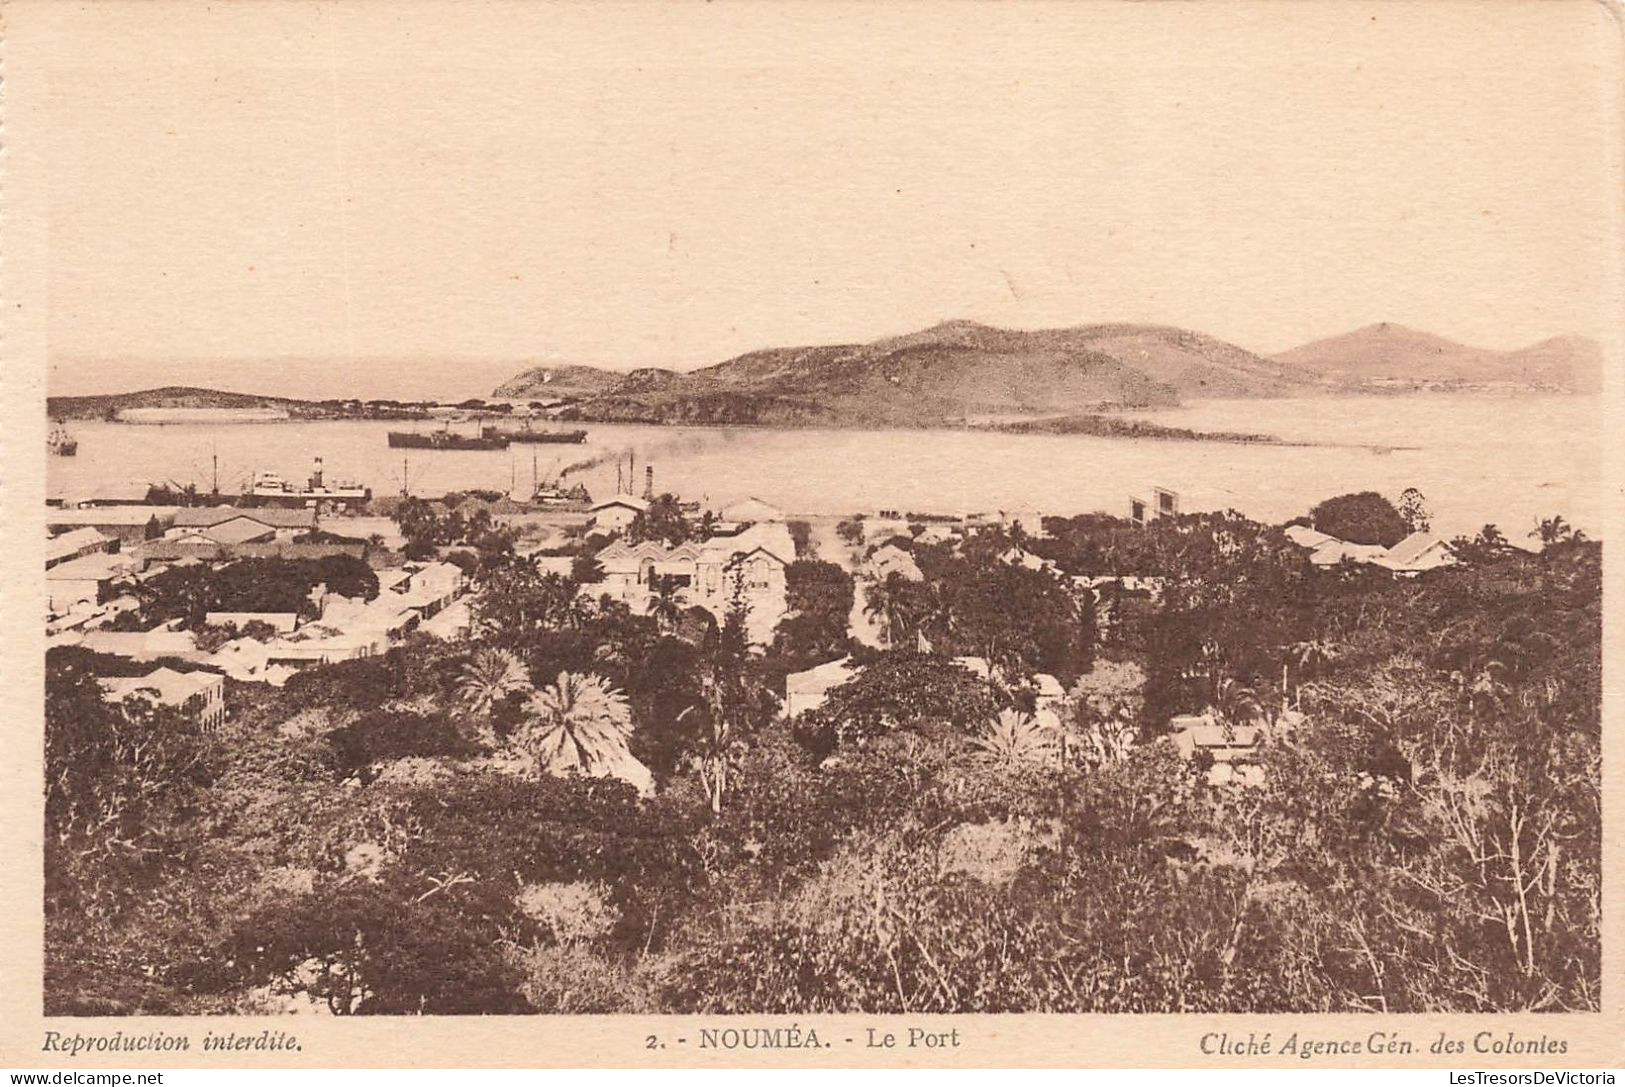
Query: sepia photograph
{"x": 738, "y": 510}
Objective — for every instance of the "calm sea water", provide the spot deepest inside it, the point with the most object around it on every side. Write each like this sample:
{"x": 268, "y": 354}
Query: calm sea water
{"x": 1476, "y": 458}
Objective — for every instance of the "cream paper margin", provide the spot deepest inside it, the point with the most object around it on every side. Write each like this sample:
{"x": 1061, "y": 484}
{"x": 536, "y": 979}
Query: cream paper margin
{"x": 30, "y": 45}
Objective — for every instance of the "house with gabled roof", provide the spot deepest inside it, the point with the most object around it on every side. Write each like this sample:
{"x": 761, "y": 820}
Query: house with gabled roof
{"x": 1417, "y": 553}
{"x": 617, "y": 512}
{"x": 130, "y": 524}
{"x": 200, "y": 696}
{"x": 807, "y": 690}
{"x": 889, "y": 559}
{"x": 747, "y": 568}
{"x": 74, "y": 544}
{"x": 211, "y": 521}
{"x": 750, "y": 511}
{"x": 85, "y": 580}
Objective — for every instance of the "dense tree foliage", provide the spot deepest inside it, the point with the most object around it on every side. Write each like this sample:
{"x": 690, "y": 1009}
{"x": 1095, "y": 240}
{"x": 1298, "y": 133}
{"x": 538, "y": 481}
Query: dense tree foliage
{"x": 1363, "y": 518}
{"x": 385, "y": 835}
{"x": 818, "y": 602}
{"x": 429, "y": 526}
{"x": 189, "y": 592}
{"x": 663, "y": 522}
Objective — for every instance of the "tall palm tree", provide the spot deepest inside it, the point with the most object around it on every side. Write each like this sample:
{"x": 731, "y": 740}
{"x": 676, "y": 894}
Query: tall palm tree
{"x": 665, "y": 605}
{"x": 488, "y": 678}
{"x": 895, "y": 604}
{"x": 578, "y": 722}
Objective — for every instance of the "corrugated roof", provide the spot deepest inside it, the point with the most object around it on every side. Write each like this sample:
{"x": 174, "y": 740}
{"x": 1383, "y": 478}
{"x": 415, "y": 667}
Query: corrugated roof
{"x": 751, "y": 509}
{"x": 98, "y": 567}
{"x": 772, "y": 537}
{"x": 240, "y": 530}
{"x": 108, "y": 515}
{"x": 1412, "y": 547}
{"x": 1304, "y": 536}
{"x": 73, "y": 542}
{"x": 276, "y": 517}
{"x": 627, "y": 500}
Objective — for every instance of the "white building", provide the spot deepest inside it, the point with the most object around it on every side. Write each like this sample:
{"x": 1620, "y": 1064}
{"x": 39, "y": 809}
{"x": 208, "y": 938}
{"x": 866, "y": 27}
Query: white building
{"x": 83, "y": 581}
{"x": 128, "y": 523}
{"x": 1165, "y": 502}
{"x": 890, "y": 559}
{"x": 73, "y": 544}
{"x": 1416, "y": 553}
{"x": 236, "y": 524}
{"x": 616, "y": 513}
{"x": 750, "y": 511}
{"x": 748, "y": 568}
{"x": 200, "y": 696}
{"x": 806, "y": 691}
{"x": 143, "y": 645}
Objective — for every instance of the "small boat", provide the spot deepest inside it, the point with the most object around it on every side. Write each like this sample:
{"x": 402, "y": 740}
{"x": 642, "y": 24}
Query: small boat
{"x": 61, "y": 443}
{"x": 526, "y": 434}
{"x": 444, "y": 438}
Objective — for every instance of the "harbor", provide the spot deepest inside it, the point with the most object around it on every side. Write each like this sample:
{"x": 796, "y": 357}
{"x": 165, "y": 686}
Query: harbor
{"x": 1546, "y": 457}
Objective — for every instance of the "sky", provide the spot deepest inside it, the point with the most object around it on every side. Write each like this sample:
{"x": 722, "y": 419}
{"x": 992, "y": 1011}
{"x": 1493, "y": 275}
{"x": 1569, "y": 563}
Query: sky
{"x": 382, "y": 199}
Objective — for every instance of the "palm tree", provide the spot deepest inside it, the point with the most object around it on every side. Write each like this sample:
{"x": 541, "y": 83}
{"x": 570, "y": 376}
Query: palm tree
{"x": 665, "y": 605}
{"x": 1555, "y": 530}
{"x": 578, "y": 722}
{"x": 1237, "y": 703}
{"x": 894, "y": 603}
{"x": 879, "y": 606}
{"x": 490, "y": 676}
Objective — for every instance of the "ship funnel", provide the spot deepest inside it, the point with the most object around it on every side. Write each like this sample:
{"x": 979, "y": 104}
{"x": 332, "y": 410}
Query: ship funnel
{"x": 316, "y": 476}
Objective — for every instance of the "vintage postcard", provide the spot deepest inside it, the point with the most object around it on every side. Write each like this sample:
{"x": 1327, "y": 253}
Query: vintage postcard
{"x": 828, "y": 534}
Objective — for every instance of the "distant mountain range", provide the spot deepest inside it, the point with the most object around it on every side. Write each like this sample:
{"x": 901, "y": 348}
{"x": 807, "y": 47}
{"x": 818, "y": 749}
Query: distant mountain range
{"x": 1389, "y": 354}
{"x": 961, "y": 371}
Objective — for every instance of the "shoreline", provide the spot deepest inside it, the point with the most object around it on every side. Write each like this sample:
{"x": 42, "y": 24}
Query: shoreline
{"x": 1084, "y": 426}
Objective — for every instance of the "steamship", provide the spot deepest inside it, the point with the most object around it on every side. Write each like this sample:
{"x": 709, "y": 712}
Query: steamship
{"x": 445, "y": 438}
{"x": 572, "y": 437}
{"x": 271, "y": 489}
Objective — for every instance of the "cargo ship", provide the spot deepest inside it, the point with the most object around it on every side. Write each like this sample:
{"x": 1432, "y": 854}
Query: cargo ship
{"x": 561, "y": 437}
{"x": 61, "y": 443}
{"x": 445, "y": 438}
{"x": 271, "y": 489}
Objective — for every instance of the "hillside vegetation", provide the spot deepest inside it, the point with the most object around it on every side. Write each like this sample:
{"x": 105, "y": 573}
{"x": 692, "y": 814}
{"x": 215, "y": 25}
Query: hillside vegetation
{"x": 952, "y": 372}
